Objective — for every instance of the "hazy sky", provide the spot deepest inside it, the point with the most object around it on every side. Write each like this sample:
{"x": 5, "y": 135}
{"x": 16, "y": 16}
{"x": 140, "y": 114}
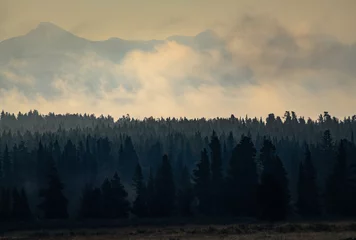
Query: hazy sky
{"x": 295, "y": 55}
{"x": 141, "y": 19}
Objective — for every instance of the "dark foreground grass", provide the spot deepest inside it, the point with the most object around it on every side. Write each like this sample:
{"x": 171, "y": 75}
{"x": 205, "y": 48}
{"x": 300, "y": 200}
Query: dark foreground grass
{"x": 316, "y": 231}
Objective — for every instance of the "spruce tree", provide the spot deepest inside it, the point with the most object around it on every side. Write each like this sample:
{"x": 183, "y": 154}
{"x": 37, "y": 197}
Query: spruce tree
{"x": 128, "y": 160}
{"x": 216, "y": 174}
{"x": 107, "y": 202}
{"x": 274, "y": 194}
{"x": 90, "y": 207}
{"x": 20, "y": 208}
{"x": 151, "y": 195}
{"x": 7, "y": 167}
{"x": 165, "y": 189}
{"x": 202, "y": 183}
{"x": 114, "y": 199}
{"x": 308, "y": 196}
{"x": 25, "y": 211}
{"x": 54, "y": 204}
{"x": 119, "y": 196}
{"x": 185, "y": 193}
{"x": 139, "y": 207}
{"x": 337, "y": 185}
{"x": 5, "y": 204}
{"x": 242, "y": 180}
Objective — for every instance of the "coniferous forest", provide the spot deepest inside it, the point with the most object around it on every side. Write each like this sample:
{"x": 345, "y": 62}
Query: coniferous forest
{"x": 87, "y": 167}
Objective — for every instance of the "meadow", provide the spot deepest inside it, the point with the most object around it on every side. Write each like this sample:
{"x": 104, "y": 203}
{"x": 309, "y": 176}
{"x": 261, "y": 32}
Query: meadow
{"x": 290, "y": 231}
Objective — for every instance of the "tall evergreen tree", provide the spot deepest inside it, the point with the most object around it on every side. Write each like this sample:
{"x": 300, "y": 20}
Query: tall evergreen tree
{"x": 273, "y": 190}
{"x": 242, "y": 180}
{"x": 114, "y": 196}
{"x": 139, "y": 207}
{"x": 7, "y": 167}
{"x": 336, "y": 185}
{"x": 90, "y": 207}
{"x": 326, "y": 158}
{"x": 5, "y": 204}
{"x": 128, "y": 160}
{"x": 151, "y": 195}
{"x": 202, "y": 180}
{"x": 41, "y": 169}
{"x": 308, "y": 196}
{"x": 165, "y": 189}
{"x": 20, "y": 207}
{"x": 216, "y": 174}
{"x": 54, "y": 204}
{"x": 25, "y": 209}
{"x": 185, "y": 194}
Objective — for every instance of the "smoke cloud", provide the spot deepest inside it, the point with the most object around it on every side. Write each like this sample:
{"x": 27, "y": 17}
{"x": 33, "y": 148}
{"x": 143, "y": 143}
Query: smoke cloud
{"x": 261, "y": 67}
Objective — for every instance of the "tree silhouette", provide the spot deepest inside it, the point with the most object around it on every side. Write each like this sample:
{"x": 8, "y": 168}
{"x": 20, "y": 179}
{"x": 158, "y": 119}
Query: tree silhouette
{"x": 165, "y": 189}
{"x": 151, "y": 195}
{"x": 5, "y": 204}
{"x": 202, "y": 180}
{"x": 185, "y": 193}
{"x": 273, "y": 190}
{"x": 90, "y": 206}
{"x": 216, "y": 174}
{"x": 242, "y": 179}
{"x": 114, "y": 199}
{"x": 308, "y": 196}
{"x": 139, "y": 207}
{"x": 54, "y": 204}
{"x": 7, "y": 167}
{"x": 336, "y": 185}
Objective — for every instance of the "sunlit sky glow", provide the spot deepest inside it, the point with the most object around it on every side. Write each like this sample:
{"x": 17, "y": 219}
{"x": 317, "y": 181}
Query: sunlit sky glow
{"x": 283, "y": 55}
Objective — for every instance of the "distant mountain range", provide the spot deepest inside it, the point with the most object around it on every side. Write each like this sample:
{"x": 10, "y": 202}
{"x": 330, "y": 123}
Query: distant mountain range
{"x": 48, "y": 39}
{"x": 31, "y": 62}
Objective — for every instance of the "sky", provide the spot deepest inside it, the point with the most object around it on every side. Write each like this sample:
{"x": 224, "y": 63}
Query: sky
{"x": 296, "y": 55}
{"x": 139, "y": 19}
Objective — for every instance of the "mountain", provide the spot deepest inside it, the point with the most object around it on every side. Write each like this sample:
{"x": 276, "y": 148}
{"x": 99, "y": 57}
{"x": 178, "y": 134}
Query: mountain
{"x": 49, "y": 39}
{"x": 32, "y": 62}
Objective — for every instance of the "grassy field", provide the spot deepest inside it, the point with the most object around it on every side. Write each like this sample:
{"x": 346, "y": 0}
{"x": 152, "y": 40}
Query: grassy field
{"x": 316, "y": 231}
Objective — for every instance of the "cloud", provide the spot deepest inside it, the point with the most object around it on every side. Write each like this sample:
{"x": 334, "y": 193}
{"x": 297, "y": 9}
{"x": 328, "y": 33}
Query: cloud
{"x": 264, "y": 67}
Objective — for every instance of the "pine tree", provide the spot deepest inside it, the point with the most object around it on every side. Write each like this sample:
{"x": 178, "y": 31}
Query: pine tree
{"x": 7, "y": 167}
{"x": 308, "y": 197}
{"x": 326, "y": 158}
{"x": 242, "y": 180}
{"x": 202, "y": 186}
{"x": 107, "y": 201}
{"x": 5, "y": 204}
{"x": 90, "y": 207}
{"x": 41, "y": 165}
{"x": 185, "y": 194}
{"x": 139, "y": 207}
{"x": 20, "y": 208}
{"x": 16, "y": 203}
{"x": 128, "y": 160}
{"x": 216, "y": 174}
{"x": 54, "y": 205}
{"x": 336, "y": 185}
{"x": 151, "y": 195}
{"x": 114, "y": 196}
{"x": 165, "y": 189}
{"x": 25, "y": 211}
{"x": 273, "y": 190}
{"x": 121, "y": 209}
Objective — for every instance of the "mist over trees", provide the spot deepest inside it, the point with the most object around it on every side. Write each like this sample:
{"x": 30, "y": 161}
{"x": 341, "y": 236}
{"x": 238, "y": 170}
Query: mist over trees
{"x": 87, "y": 167}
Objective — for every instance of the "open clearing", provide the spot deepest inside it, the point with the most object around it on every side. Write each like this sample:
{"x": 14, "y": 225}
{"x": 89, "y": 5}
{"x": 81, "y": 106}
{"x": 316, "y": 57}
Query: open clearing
{"x": 290, "y": 231}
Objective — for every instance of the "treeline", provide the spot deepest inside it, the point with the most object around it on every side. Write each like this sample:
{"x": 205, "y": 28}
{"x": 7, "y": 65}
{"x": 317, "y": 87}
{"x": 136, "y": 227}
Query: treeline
{"x": 102, "y": 172}
{"x": 289, "y": 125}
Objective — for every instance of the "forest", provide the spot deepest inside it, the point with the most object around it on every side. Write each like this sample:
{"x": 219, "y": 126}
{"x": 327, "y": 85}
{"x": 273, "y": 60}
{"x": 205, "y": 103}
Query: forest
{"x": 77, "y": 166}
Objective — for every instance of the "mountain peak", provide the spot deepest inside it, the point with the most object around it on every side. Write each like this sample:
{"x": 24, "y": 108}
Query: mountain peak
{"x": 48, "y": 30}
